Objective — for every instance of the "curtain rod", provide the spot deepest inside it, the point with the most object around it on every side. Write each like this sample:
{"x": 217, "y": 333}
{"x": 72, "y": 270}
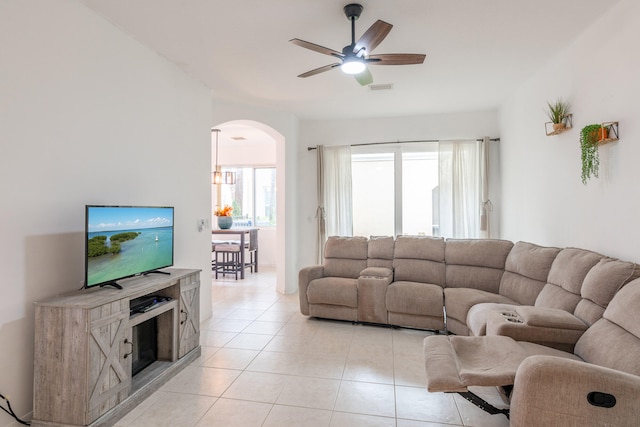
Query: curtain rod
{"x": 410, "y": 142}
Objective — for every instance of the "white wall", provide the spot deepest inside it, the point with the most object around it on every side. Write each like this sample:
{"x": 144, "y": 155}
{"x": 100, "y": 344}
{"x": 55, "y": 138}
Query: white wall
{"x": 346, "y": 132}
{"x": 544, "y": 200}
{"x": 88, "y": 116}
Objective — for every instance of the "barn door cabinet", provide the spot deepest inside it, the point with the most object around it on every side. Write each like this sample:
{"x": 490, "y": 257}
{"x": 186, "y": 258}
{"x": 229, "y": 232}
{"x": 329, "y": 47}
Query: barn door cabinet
{"x": 84, "y": 342}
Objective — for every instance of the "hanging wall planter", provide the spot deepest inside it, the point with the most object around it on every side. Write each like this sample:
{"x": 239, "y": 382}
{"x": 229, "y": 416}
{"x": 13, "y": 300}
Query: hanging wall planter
{"x": 560, "y": 116}
{"x": 590, "y": 135}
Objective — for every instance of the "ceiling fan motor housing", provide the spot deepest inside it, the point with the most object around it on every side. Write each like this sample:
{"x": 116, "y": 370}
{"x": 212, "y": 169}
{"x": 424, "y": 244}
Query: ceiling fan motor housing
{"x": 353, "y": 11}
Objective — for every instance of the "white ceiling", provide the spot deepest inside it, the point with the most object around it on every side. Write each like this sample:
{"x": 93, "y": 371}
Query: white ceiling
{"x": 478, "y": 52}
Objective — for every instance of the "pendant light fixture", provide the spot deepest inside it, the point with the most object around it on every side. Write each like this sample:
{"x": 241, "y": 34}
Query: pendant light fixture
{"x": 218, "y": 176}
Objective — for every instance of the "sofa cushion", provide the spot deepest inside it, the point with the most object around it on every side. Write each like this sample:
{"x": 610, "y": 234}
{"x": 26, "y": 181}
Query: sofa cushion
{"x": 491, "y": 253}
{"x": 346, "y": 247}
{"x": 350, "y": 268}
{"x": 419, "y": 259}
{"x": 624, "y": 312}
{"x": 475, "y": 263}
{"x": 564, "y": 283}
{"x": 606, "y": 278}
{"x": 420, "y": 247}
{"x": 345, "y": 256}
{"x": 423, "y": 299}
{"x": 333, "y": 291}
{"x": 601, "y": 284}
{"x": 381, "y": 251}
{"x": 472, "y": 277}
{"x": 570, "y": 267}
{"x": 458, "y": 302}
{"x": 607, "y": 344}
{"x": 614, "y": 340}
{"x": 526, "y": 271}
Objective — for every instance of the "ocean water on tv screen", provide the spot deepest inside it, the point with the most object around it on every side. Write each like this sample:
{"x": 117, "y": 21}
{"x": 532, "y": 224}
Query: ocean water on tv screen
{"x": 152, "y": 248}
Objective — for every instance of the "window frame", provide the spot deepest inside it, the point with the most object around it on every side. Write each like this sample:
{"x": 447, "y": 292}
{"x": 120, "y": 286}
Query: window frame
{"x": 253, "y": 169}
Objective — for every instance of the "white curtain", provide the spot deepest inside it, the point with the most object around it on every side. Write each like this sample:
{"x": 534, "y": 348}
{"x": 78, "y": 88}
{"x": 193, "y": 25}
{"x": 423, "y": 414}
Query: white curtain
{"x": 485, "y": 203}
{"x": 460, "y": 189}
{"x": 338, "y": 202}
{"x": 335, "y": 206}
{"x": 321, "y": 234}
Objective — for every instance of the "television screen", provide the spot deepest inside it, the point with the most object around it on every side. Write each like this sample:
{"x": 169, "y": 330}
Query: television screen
{"x": 124, "y": 241}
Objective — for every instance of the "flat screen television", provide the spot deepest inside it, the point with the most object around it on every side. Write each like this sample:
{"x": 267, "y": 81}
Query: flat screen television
{"x": 125, "y": 241}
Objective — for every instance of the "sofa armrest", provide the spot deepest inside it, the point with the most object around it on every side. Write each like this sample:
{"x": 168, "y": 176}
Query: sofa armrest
{"x": 305, "y": 276}
{"x": 556, "y": 391}
{"x": 372, "y": 294}
{"x": 550, "y": 318}
{"x": 549, "y": 327}
{"x": 377, "y": 272}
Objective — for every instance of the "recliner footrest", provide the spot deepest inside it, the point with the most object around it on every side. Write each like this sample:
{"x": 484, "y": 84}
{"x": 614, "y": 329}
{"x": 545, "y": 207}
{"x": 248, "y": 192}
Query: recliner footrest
{"x": 454, "y": 363}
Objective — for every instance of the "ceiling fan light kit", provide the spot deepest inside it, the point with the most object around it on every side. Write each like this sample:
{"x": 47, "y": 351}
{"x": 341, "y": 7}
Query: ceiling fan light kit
{"x": 352, "y": 66}
{"x": 355, "y": 57}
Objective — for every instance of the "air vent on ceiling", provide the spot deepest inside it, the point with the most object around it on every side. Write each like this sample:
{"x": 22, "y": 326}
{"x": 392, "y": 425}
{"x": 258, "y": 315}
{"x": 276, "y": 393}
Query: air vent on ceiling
{"x": 383, "y": 86}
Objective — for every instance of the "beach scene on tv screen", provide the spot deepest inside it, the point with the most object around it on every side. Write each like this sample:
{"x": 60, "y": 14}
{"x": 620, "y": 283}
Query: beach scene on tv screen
{"x": 123, "y": 241}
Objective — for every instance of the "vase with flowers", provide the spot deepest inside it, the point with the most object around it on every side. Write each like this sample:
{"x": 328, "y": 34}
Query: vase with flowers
{"x": 225, "y": 220}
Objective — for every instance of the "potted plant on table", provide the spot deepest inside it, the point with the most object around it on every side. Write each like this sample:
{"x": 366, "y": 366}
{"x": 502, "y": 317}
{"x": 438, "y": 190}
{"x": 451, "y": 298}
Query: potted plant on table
{"x": 225, "y": 220}
{"x": 557, "y": 113}
{"x": 590, "y": 136}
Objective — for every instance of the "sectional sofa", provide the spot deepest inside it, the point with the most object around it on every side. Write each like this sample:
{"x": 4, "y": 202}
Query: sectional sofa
{"x": 556, "y": 326}
{"x": 545, "y": 295}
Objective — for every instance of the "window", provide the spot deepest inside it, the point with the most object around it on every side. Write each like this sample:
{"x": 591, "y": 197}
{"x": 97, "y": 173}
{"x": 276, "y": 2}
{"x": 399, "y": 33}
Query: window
{"x": 395, "y": 190}
{"x": 253, "y": 197}
{"x": 419, "y": 193}
{"x": 372, "y": 180}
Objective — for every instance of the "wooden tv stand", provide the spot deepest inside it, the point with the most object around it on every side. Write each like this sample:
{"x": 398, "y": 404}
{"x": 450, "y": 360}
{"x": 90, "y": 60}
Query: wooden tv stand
{"x": 83, "y": 347}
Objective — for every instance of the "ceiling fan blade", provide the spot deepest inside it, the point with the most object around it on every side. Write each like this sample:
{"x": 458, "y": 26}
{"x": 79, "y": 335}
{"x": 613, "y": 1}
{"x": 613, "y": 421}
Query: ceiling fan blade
{"x": 319, "y": 70}
{"x": 364, "y": 78}
{"x": 373, "y": 36}
{"x": 396, "y": 59}
{"x": 316, "y": 48}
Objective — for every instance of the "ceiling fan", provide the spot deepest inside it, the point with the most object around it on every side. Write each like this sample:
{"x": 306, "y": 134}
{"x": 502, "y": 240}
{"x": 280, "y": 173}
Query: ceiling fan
{"x": 355, "y": 57}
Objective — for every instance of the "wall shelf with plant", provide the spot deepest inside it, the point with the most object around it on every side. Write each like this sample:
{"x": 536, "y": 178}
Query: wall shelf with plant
{"x": 560, "y": 117}
{"x": 591, "y": 137}
{"x": 611, "y": 132}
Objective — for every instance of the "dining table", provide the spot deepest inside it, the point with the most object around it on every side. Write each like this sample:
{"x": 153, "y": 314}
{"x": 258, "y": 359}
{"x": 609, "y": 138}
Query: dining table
{"x": 242, "y": 232}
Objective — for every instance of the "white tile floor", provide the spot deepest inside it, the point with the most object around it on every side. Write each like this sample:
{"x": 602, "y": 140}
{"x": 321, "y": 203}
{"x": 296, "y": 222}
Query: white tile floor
{"x": 265, "y": 364}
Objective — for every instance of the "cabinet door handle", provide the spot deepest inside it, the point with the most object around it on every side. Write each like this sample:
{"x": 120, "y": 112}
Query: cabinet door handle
{"x": 126, "y": 341}
{"x": 186, "y": 317}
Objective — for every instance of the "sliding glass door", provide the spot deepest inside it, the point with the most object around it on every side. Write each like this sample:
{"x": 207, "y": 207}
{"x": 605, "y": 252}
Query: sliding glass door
{"x": 395, "y": 190}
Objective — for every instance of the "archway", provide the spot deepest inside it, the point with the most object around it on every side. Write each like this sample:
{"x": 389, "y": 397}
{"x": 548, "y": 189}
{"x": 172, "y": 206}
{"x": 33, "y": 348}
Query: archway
{"x": 249, "y": 143}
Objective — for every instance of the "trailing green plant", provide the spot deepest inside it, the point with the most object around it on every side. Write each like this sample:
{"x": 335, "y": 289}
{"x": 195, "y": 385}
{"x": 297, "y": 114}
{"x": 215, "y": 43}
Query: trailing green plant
{"x": 589, "y": 136}
{"x": 558, "y": 110}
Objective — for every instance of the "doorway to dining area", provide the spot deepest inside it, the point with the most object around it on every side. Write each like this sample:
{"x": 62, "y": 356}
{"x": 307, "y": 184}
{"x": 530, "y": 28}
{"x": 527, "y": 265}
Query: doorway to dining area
{"x": 247, "y": 153}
